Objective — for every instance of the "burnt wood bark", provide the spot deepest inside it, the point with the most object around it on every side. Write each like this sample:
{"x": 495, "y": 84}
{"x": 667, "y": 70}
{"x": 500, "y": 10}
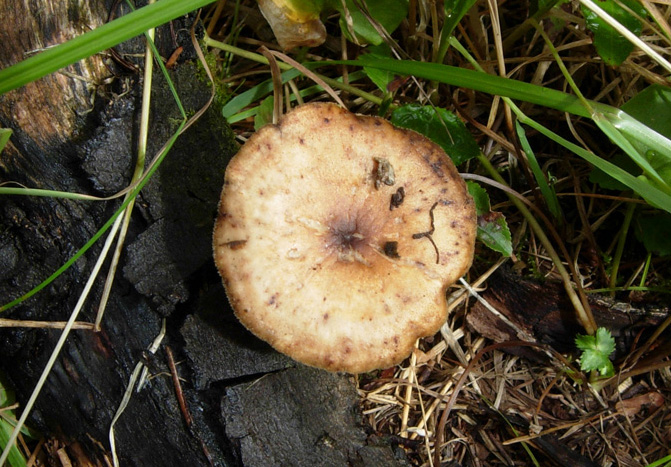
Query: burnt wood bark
{"x": 543, "y": 311}
{"x": 64, "y": 139}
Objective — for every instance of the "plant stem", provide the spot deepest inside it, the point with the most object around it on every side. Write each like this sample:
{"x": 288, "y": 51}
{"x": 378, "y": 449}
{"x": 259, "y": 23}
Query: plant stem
{"x": 137, "y": 174}
{"x": 208, "y": 41}
{"x": 646, "y": 269}
{"x": 48, "y": 193}
{"x": 617, "y": 257}
{"x": 580, "y": 303}
{"x": 569, "y": 79}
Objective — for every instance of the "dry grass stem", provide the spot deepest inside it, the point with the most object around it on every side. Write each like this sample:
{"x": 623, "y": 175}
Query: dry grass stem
{"x": 16, "y": 323}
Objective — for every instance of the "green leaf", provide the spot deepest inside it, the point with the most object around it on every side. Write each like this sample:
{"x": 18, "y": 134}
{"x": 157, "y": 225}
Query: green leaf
{"x": 610, "y": 45}
{"x": 388, "y": 13}
{"x": 15, "y": 458}
{"x": 652, "y": 107}
{"x": 454, "y": 11}
{"x": 654, "y": 232}
{"x": 5, "y": 134}
{"x": 493, "y": 230}
{"x": 545, "y": 5}
{"x": 596, "y": 352}
{"x": 643, "y": 152}
{"x": 264, "y": 115}
{"x": 605, "y": 181}
{"x": 381, "y": 78}
{"x": 605, "y": 343}
{"x": 440, "y": 126}
{"x": 305, "y": 7}
{"x": 480, "y": 197}
{"x": 252, "y": 95}
{"x": 662, "y": 165}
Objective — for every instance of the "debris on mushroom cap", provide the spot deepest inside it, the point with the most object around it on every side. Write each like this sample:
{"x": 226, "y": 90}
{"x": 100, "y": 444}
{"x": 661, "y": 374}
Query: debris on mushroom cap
{"x": 334, "y": 262}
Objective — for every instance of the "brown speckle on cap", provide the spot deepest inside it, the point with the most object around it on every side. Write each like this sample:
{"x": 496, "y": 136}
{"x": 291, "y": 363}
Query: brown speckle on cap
{"x": 236, "y": 244}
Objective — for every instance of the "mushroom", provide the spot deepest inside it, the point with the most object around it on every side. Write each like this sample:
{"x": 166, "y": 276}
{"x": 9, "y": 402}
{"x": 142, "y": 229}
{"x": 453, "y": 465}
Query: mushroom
{"x": 318, "y": 253}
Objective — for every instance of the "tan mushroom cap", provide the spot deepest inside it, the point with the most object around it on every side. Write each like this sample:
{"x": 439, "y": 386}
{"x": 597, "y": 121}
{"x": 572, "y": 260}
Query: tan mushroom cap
{"x": 338, "y": 235}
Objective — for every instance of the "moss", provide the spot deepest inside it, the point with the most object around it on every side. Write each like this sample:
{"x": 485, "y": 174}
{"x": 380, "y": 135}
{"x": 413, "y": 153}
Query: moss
{"x": 222, "y": 92}
{"x": 210, "y": 130}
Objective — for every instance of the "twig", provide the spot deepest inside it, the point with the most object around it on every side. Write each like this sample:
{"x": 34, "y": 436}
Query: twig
{"x": 178, "y": 388}
{"x": 310, "y": 74}
{"x": 428, "y": 233}
{"x": 276, "y": 75}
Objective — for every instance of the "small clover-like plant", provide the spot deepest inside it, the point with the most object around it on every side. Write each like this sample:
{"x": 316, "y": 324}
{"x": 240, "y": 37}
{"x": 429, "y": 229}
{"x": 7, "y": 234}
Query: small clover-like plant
{"x": 596, "y": 351}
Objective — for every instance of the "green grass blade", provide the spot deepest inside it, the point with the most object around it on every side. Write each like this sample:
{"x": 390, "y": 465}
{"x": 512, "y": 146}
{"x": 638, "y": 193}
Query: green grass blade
{"x": 131, "y": 196}
{"x": 208, "y": 41}
{"x": 548, "y": 193}
{"x": 7, "y": 423}
{"x": 92, "y": 42}
{"x": 254, "y": 94}
{"x": 612, "y": 120}
{"x": 650, "y": 193}
{"x": 631, "y": 136}
{"x": 618, "y": 138}
{"x": 640, "y": 135}
{"x": 47, "y": 193}
{"x": 663, "y": 461}
{"x": 477, "y": 81}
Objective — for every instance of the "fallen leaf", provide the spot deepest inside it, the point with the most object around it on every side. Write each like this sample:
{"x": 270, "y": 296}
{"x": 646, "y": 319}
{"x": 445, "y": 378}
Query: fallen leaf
{"x": 630, "y": 407}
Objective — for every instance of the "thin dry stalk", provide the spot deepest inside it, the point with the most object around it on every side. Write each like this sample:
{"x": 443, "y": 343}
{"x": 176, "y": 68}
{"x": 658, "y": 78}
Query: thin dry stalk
{"x": 20, "y": 323}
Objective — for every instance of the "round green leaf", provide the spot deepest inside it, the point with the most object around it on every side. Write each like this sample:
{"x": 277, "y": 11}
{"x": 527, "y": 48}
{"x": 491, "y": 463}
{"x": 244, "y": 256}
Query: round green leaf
{"x": 440, "y": 126}
{"x": 493, "y": 230}
{"x": 610, "y": 45}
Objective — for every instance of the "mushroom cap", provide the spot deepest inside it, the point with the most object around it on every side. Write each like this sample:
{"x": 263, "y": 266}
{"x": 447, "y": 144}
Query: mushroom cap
{"x": 338, "y": 235}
